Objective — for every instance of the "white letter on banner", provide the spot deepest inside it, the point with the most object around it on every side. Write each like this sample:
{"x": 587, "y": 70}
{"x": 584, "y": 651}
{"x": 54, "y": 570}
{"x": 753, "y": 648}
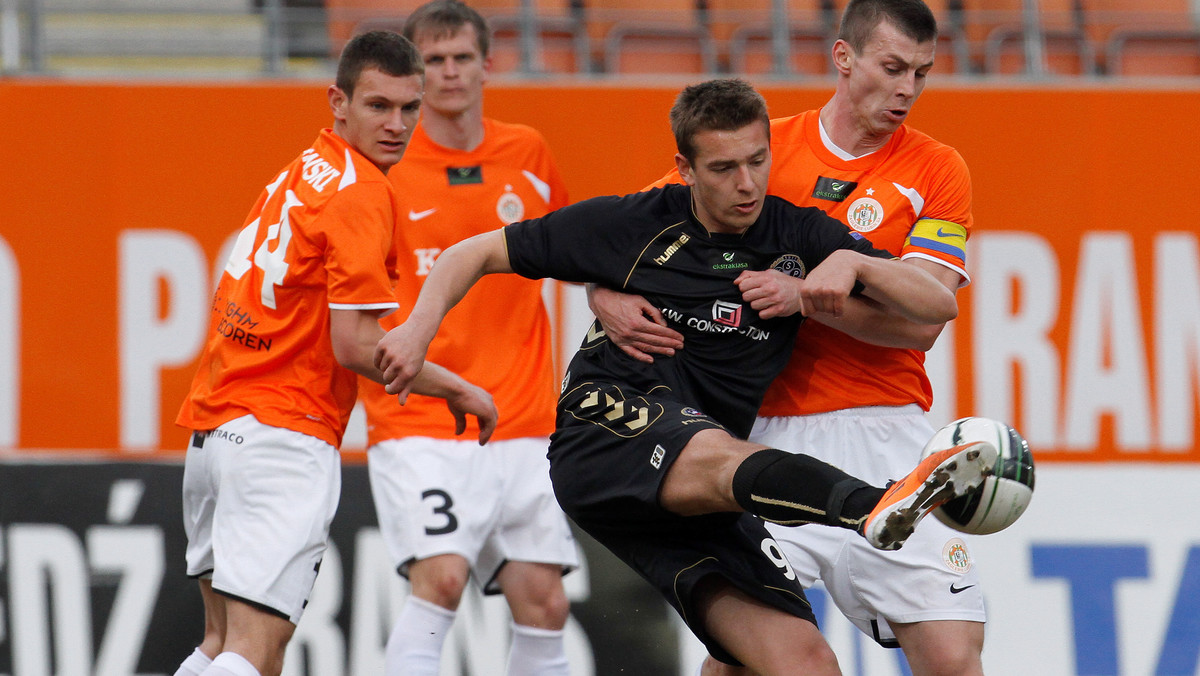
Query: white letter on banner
{"x": 133, "y": 556}
{"x": 1106, "y": 370}
{"x": 1007, "y": 336}
{"x": 318, "y": 640}
{"x": 10, "y": 347}
{"x": 41, "y": 557}
{"x": 148, "y": 342}
{"x": 1177, "y": 331}
{"x": 376, "y": 600}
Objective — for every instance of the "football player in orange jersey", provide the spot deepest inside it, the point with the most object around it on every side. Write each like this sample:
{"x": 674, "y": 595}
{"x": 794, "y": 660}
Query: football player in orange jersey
{"x": 855, "y": 391}
{"x": 294, "y": 319}
{"x": 448, "y": 509}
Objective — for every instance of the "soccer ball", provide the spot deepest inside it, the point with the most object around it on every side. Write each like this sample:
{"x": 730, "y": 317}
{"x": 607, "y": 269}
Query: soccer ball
{"x": 1005, "y": 494}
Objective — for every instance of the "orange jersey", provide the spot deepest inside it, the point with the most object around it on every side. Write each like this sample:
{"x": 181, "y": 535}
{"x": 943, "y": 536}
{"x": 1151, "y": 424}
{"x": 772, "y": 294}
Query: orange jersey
{"x": 911, "y": 197}
{"x": 320, "y": 237}
{"x": 498, "y": 336}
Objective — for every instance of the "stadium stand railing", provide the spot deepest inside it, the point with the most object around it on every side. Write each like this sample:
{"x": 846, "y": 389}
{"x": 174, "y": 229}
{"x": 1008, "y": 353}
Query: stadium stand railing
{"x": 782, "y": 39}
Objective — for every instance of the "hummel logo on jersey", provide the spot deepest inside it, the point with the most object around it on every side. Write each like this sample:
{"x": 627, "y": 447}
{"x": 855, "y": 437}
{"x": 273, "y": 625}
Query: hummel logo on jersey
{"x": 671, "y": 249}
{"x": 959, "y": 590}
{"x": 833, "y": 189}
{"x": 418, "y": 215}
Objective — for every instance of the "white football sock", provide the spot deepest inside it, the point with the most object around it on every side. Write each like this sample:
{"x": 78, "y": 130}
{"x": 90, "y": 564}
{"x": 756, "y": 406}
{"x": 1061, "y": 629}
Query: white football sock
{"x": 415, "y": 645}
{"x": 193, "y": 664}
{"x": 537, "y": 652}
{"x": 230, "y": 664}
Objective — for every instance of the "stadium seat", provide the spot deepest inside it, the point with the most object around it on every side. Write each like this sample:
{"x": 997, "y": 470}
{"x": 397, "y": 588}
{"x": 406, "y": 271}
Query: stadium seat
{"x": 1147, "y": 37}
{"x": 1030, "y": 37}
{"x": 557, "y": 42}
{"x": 654, "y": 36}
{"x": 748, "y": 28}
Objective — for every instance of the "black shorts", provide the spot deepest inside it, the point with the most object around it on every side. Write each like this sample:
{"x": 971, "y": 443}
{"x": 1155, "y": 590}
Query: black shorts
{"x": 608, "y": 457}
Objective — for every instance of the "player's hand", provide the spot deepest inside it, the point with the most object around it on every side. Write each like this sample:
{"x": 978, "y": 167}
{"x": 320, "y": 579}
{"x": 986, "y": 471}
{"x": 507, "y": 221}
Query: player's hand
{"x": 400, "y": 355}
{"x": 828, "y": 285}
{"x": 477, "y": 402}
{"x": 633, "y": 324}
{"x": 771, "y": 293}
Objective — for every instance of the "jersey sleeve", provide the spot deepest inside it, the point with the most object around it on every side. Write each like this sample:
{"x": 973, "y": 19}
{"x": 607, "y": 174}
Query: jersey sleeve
{"x": 578, "y": 243}
{"x": 360, "y": 261}
{"x": 940, "y": 233}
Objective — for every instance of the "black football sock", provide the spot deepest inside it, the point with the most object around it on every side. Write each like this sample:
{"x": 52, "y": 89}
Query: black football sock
{"x": 794, "y": 489}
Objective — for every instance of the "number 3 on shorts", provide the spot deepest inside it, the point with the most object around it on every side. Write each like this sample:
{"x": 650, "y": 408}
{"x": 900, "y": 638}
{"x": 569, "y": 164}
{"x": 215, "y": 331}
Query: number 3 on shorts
{"x": 775, "y": 554}
{"x": 451, "y": 522}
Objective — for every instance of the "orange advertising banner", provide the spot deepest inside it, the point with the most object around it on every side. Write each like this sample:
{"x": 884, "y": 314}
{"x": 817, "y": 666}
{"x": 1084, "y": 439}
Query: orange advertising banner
{"x": 1081, "y": 326}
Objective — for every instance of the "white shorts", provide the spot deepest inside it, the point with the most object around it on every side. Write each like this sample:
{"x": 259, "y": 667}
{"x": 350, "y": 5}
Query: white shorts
{"x": 489, "y": 504}
{"x": 257, "y": 503}
{"x": 931, "y": 578}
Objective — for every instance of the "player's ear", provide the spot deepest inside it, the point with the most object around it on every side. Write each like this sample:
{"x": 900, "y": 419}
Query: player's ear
{"x": 685, "y": 169}
{"x": 338, "y": 101}
{"x": 843, "y": 55}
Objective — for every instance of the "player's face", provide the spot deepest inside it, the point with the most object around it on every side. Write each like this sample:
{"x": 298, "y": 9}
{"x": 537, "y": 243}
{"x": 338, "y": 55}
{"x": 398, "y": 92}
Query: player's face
{"x": 379, "y": 119}
{"x": 455, "y": 71}
{"x": 886, "y": 78}
{"x": 728, "y": 176}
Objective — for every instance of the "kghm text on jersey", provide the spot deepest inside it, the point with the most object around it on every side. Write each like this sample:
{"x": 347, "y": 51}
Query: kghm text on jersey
{"x": 317, "y": 172}
{"x": 231, "y": 327}
{"x": 670, "y": 250}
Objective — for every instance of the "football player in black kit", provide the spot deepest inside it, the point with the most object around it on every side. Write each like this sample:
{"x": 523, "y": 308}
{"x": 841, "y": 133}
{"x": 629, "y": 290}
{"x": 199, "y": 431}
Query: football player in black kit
{"x": 650, "y": 459}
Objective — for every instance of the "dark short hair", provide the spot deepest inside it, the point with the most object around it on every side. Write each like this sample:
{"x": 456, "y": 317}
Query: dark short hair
{"x": 722, "y": 105}
{"x": 912, "y": 18}
{"x": 387, "y": 51}
{"x": 444, "y": 18}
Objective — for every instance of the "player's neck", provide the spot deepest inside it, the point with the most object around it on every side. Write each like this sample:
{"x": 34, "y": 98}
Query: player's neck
{"x": 840, "y": 123}
{"x": 462, "y": 131}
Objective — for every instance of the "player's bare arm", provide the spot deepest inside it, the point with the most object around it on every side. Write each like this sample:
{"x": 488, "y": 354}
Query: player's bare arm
{"x": 915, "y": 295}
{"x": 462, "y": 398}
{"x": 356, "y": 333}
{"x": 633, "y": 324}
{"x": 400, "y": 354}
{"x": 874, "y": 323}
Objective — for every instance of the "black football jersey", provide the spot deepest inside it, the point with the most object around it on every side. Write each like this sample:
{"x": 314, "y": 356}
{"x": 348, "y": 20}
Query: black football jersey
{"x": 651, "y": 244}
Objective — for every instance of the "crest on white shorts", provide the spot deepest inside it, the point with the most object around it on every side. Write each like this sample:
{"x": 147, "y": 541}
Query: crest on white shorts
{"x": 956, "y": 556}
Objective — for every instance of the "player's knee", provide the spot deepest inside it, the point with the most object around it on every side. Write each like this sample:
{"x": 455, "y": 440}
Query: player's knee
{"x": 949, "y": 659}
{"x": 442, "y": 586}
{"x": 545, "y": 608}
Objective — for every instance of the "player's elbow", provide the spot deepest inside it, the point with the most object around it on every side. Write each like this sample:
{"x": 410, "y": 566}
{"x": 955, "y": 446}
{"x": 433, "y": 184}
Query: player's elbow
{"x": 924, "y": 336}
{"x": 938, "y": 307}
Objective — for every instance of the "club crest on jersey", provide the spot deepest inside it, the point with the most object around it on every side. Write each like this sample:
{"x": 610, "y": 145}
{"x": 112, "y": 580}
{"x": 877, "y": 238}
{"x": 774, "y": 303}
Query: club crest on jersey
{"x": 955, "y": 555}
{"x": 509, "y": 207}
{"x": 690, "y": 411}
{"x": 865, "y": 214}
{"x": 789, "y": 264}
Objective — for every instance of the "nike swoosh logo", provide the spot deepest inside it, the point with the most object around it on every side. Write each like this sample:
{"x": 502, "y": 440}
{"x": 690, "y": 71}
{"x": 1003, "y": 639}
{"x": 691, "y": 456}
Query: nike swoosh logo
{"x": 943, "y": 233}
{"x": 418, "y": 215}
{"x": 959, "y": 590}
